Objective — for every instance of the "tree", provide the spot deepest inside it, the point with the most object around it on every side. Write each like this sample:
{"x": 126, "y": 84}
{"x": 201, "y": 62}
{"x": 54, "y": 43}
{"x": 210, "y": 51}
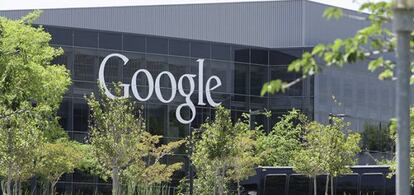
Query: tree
{"x": 57, "y": 158}
{"x": 223, "y": 154}
{"x": 121, "y": 145}
{"x": 327, "y": 150}
{"x": 26, "y": 75}
{"x": 279, "y": 146}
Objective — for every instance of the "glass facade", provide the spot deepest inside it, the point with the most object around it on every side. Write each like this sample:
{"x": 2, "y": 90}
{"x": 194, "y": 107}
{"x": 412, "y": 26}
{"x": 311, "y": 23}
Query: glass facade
{"x": 242, "y": 69}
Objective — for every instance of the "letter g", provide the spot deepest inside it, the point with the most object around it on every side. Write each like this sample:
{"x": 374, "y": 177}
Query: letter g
{"x": 102, "y": 79}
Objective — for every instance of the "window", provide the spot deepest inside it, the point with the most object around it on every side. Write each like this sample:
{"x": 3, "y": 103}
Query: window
{"x": 110, "y": 40}
{"x": 84, "y": 67}
{"x": 65, "y": 114}
{"x": 156, "y": 119}
{"x": 113, "y": 68}
{"x": 275, "y": 185}
{"x": 347, "y": 184}
{"x": 280, "y": 58}
{"x": 155, "y": 65}
{"x": 85, "y": 38}
{"x": 220, "y": 52}
{"x": 241, "y": 54}
{"x": 80, "y": 116}
{"x": 258, "y": 76}
{"x": 134, "y": 43}
{"x": 372, "y": 184}
{"x": 200, "y": 50}
{"x": 60, "y": 36}
{"x": 177, "y": 129}
{"x": 259, "y": 56}
{"x": 179, "y": 47}
{"x": 157, "y": 45}
{"x": 136, "y": 61}
{"x": 298, "y": 185}
{"x": 241, "y": 78}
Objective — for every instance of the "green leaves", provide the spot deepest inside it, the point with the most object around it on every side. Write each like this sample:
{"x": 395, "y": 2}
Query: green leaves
{"x": 333, "y": 12}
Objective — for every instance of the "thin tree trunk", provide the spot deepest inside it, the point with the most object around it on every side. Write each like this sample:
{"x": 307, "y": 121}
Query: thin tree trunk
{"x": 238, "y": 187}
{"x": 314, "y": 186}
{"x": 332, "y": 186}
{"x": 52, "y": 188}
{"x": 9, "y": 181}
{"x": 115, "y": 181}
{"x": 326, "y": 184}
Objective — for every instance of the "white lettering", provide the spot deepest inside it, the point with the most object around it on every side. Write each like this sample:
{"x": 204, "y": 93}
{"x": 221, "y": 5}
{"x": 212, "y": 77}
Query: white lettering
{"x": 158, "y": 87}
{"x": 150, "y": 85}
{"x": 102, "y": 79}
{"x": 187, "y": 96}
{"x": 209, "y": 89}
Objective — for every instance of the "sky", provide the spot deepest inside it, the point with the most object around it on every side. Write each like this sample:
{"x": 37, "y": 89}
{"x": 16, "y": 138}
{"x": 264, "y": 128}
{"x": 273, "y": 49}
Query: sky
{"x": 44, "y": 4}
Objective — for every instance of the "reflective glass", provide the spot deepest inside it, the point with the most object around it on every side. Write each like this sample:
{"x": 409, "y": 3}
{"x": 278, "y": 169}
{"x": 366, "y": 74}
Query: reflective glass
{"x": 275, "y": 185}
{"x": 85, "y": 66}
{"x": 372, "y": 184}
{"x": 298, "y": 185}
{"x": 200, "y": 49}
{"x": 177, "y": 129}
{"x": 109, "y": 40}
{"x": 280, "y": 58}
{"x": 259, "y": 56}
{"x": 347, "y": 184}
{"x": 134, "y": 43}
{"x": 157, "y": 64}
{"x": 258, "y": 77}
{"x": 220, "y": 52}
{"x": 179, "y": 47}
{"x": 85, "y": 38}
{"x": 157, "y": 45}
{"x": 156, "y": 118}
{"x": 241, "y": 79}
{"x": 60, "y": 36}
{"x": 241, "y": 54}
{"x": 80, "y": 116}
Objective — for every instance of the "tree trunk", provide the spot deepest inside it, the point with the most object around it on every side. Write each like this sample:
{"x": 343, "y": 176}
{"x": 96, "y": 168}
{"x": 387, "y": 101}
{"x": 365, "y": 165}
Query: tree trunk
{"x": 52, "y": 187}
{"x": 314, "y": 186}
{"x": 9, "y": 189}
{"x": 115, "y": 181}
{"x": 332, "y": 186}
{"x": 326, "y": 184}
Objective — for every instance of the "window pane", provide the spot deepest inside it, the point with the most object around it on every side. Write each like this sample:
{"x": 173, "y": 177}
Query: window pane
{"x": 60, "y": 36}
{"x": 390, "y": 186}
{"x": 179, "y": 47}
{"x": 179, "y": 66}
{"x": 177, "y": 129}
{"x": 134, "y": 43}
{"x": 298, "y": 185}
{"x": 155, "y": 65}
{"x": 241, "y": 78}
{"x": 221, "y": 52}
{"x": 65, "y": 114}
{"x": 113, "y": 68}
{"x": 157, "y": 45}
{"x": 259, "y": 56}
{"x": 258, "y": 77}
{"x": 281, "y": 72}
{"x": 84, "y": 66}
{"x": 241, "y": 54}
{"x": 200, "y": 49}
{"x": 347, "y": 184}
{"x": 275, "y": 185}
{"x": 80, "y": 116}
{"x": 280, "y": 58}
{"x": 372, "y": 184}
{"x": 224, "y": 71}
{"x": 86, "y": 38}
{"x": 110, "y": 40}
{"x": 156, "y": 119}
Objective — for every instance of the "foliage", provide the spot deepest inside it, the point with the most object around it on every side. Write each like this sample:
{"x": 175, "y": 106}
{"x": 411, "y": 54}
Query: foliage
{"x": 56, "y": 159}
{"x": 327, "y": 149}
{"x": 278, "y": 147}
{"x": 368, "y": 44}
{"x": 223, "y": 154}
{"x": 122, "y": 147}
{"x": 26, "y": 74}
{"x": 377, "y": 138}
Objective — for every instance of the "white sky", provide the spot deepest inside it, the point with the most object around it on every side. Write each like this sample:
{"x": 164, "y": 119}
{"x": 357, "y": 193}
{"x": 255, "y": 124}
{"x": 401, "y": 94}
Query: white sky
{"x": 44, "y": 4}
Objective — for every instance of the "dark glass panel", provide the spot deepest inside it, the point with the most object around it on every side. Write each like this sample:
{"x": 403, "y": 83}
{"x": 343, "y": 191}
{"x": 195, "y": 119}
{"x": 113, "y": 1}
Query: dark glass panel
{"x": 280, "y": 58}
{"x": 298, "y": 185}
{"x": 275, "y": 185}
{"x": 136, "y": 62}
{"x": 241, "y": 78}
{"x": 65, "y": 114}
{"x": 241, "y": 54}
{"x": 104, "y": 189}
{"x": 80, "y": 89}
{"x": 65, "y": 59}
{"x": 179, "y": 66}
{"x": 220, "y": 52}
{"x": 390, "y": 186}
{"x": 134, "y": 43}
{"x": 85, "y": 38}
{"x": 347, "y": 184}
{"x": 85, "y": 65}
{"x": 110, "y": 40}
{"x": 258, "y": 77}
{"x": 281, "y": 72}
{"x": 80, "y": 116}
{"x": 240, "y": 102}
{"x": 179, "y": 47}
{"x": 60, "y": 36}
{"x": 203, "y": 114}
{"x": 63, "y": 188}
{"x": 81, "y": 176}
{"x": 224, "y": 71}
{"x": 113, "y": 68}
{"x": 259, "y": 56}
{"x": 177, "y": 129}
{"x": 155, "y": 65}
{"x": 157, "y": 45}
{"x": 157, "y": 118}
{"x": 200, "y": 49}
{"x": 372, "y": 184}
{"x": 84, "y": 188}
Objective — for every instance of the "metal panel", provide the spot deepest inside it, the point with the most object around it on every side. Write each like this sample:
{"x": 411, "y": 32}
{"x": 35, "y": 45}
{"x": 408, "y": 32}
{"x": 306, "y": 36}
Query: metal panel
{"x": 265, "y": 24}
